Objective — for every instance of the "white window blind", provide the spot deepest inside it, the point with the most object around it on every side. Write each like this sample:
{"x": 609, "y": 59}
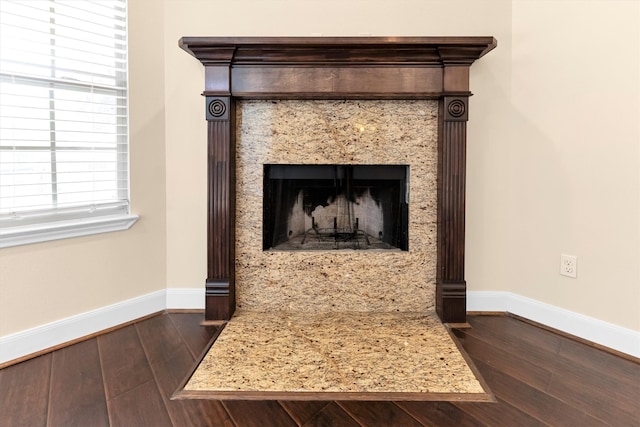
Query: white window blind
{"x": 63, "y": 111}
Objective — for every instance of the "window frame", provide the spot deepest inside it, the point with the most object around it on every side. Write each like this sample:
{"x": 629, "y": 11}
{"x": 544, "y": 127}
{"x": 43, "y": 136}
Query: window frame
{"x": 24, "y": 226}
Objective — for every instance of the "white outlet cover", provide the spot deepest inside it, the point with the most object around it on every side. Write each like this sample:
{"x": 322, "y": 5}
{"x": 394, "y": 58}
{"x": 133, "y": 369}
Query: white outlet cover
{"x": 569, "y": 265}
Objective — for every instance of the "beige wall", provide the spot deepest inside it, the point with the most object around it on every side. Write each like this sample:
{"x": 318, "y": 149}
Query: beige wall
{"x": 574, "y": 155}
{"x": 564, "y": 179}
{"x": 552, "y": 167}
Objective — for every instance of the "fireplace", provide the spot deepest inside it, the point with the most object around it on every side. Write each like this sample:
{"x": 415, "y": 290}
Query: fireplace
{"x": 335, "y": 207}
{"x": 420, "y": 78}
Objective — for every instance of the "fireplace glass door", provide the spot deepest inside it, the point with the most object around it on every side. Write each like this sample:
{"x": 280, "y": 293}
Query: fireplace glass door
{"x": 336, "y": 207}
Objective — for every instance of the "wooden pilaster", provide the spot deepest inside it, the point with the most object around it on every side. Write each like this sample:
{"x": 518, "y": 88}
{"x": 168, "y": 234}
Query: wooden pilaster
{"x": 451, "y": 287}
{"x": 220, "y": 284}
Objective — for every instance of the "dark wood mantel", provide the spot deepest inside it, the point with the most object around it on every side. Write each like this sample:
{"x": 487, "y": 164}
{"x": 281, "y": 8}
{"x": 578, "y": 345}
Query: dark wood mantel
{"x": 337, "y": 68}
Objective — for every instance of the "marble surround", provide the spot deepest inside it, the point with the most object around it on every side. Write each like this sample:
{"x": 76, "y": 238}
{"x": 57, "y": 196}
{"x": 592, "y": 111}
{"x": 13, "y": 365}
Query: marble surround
{"x": 401, "y": 132}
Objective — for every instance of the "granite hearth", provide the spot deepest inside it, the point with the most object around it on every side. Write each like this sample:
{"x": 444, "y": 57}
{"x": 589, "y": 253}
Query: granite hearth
{"x": 327, "y": 356}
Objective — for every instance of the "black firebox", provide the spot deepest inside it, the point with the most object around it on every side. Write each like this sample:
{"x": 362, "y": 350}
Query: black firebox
{"x": 336, "y": 207}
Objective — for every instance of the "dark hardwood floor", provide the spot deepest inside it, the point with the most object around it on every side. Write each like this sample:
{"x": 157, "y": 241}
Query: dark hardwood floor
{"x": 126, "y": 377}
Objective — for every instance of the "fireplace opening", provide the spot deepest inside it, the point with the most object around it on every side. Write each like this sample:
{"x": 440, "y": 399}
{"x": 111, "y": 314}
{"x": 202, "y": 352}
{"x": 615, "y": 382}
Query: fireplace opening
{"x": 336, "y": 207}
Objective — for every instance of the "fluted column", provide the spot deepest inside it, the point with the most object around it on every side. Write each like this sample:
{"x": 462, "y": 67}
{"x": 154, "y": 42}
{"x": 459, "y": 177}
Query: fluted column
{"x": 220, "y": 287}
{"x": 451, "y": 287}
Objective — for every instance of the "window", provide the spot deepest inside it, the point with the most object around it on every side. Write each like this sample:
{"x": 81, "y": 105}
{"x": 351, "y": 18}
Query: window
{"x": 63, "y": 119}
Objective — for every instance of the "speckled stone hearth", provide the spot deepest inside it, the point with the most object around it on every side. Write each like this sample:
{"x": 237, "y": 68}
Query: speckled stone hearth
{"x": 374, "y": 356}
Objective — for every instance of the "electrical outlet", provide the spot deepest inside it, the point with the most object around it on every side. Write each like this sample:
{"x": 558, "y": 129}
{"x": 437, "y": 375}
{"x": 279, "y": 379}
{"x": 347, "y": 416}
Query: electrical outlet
{"x": 569, "y": 265}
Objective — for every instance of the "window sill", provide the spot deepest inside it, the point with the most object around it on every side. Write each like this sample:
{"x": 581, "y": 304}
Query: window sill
{"x": 36, "y": 233}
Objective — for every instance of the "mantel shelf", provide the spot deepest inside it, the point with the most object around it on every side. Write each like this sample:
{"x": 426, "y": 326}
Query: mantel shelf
{"x": 325, "y": 51}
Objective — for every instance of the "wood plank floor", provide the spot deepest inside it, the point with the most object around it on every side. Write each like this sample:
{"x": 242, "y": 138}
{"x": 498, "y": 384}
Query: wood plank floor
{"x": 126, "y": 378}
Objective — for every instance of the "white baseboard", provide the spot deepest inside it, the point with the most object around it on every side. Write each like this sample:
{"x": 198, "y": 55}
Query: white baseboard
{"x": 594, "y": 330}
{"x": 185, "y": 298}
{"x": 24, "y": 343}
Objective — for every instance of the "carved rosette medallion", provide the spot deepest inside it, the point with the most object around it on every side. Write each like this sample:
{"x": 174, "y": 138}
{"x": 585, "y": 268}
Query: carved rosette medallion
{"x": 455, "y": 108}
{"x": 217, "y": 108}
